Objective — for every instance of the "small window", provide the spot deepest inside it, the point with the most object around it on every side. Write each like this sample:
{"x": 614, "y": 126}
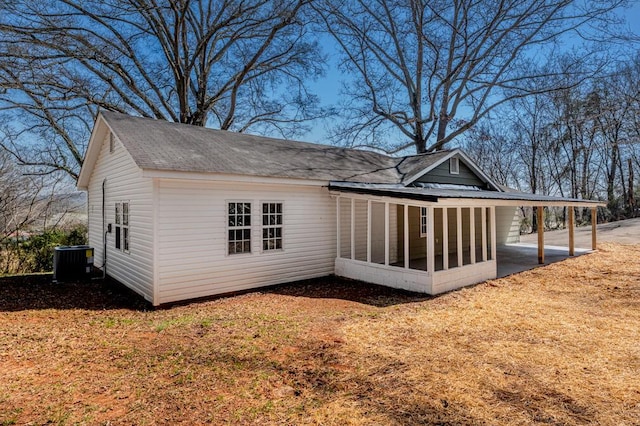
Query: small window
{"x": 112, "y": 142}
{"x": 423, "y": 222}
{"x": 122, "y": 226}
{"x": 454, "y": 166}
{"x": 118, "y": 223}
{"x": 125, "y": 227}
{"x": 271, "y": 226}
{"x": 239, "y": 228}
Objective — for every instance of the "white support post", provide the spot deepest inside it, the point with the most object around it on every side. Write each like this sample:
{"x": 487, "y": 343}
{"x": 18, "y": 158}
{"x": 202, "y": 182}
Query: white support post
{"x": 369, "y": 231}
{"x": 386, "y": 234}
{"x": 431, "y": 252}
{"x": 406, "y": 236}
{"x": 472, "y": 234}
{"x": 445, "y": 239}
{"x": 459, "y": 235}
{"x": 493, "y": 234}
{"x": 338, "y": 230}
{"x": 353, "y": 229}
{"x": 484, "y": 233}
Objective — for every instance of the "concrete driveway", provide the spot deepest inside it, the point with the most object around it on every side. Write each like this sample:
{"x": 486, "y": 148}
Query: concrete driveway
{"x": 622, "y": 231}
{"x": 514, "y": 258}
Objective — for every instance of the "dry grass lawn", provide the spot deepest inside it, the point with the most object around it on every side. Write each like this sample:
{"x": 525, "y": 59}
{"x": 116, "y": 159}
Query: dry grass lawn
{"x": 556, "y": 345}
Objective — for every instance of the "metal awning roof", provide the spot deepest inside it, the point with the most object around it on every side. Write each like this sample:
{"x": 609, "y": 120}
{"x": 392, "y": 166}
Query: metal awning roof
{"x": 435, "y": 194}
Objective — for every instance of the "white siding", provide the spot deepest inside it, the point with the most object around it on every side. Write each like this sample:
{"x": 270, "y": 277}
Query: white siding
{"x": 123, "y": 183}
{"x": 192, "y": 259}
{"x": 507, "y": 225}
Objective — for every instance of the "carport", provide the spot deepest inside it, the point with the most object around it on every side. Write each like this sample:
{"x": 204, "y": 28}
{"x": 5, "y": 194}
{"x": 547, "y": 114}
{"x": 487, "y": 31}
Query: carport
{"x": 436, "y": 239}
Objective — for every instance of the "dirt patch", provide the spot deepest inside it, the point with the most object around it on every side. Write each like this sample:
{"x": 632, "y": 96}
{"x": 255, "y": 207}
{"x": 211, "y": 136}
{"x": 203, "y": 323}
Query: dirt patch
{"x": 556, "y": 345}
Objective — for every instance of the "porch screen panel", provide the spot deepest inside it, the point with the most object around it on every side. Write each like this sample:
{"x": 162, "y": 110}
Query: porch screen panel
{"x": 438, "y": 239}
{"x": 489, "y": 233}
{"x": 377, "y": 232}
{"x": 396, "y": 235}
{"x": 477, "y": 214}
{"x": 361, "y": 230}
{"x": 345, "y": 228}
{"x": 452, "y": 219}
{"x": 417, "y": 240}
{"x": 466, "y": 236}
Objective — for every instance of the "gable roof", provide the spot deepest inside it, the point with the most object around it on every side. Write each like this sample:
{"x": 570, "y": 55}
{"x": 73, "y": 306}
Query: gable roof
{"x": 446, "y": 155}
{"x": 167, "y": 146}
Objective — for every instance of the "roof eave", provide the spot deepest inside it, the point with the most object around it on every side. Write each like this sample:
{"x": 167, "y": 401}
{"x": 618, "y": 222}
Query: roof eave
{"x": 100, "y": 129}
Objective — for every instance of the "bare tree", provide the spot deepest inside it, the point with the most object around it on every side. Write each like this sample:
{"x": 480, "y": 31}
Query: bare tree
{"x": 232, "y": 64}
{"x": 426, "y": 71}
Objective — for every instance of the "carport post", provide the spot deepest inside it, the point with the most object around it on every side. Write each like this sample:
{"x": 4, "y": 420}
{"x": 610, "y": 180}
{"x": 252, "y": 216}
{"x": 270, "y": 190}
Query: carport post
{"x": 594, "y": 223}
{"x": 571, "y": 229}
{"x": 540, "y": 211}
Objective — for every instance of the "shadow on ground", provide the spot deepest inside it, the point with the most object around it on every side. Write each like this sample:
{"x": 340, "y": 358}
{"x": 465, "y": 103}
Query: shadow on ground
{"x": 29, "y": 292}
{"x": 354, "y": 291}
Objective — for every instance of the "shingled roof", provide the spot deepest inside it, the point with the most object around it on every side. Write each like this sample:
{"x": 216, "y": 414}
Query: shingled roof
{"x": 167, "y": 146}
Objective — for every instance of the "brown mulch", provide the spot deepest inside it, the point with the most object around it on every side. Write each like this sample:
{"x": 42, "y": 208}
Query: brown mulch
{"x": 555, "y": 345}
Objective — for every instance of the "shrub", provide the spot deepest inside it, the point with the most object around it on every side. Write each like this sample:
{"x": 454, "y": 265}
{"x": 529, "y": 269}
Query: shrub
{"x": 36, "y": 253}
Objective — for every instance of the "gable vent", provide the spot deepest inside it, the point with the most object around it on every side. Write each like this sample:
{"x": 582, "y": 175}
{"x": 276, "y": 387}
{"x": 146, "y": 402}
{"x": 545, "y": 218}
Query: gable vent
{"x": 454, "y": 165}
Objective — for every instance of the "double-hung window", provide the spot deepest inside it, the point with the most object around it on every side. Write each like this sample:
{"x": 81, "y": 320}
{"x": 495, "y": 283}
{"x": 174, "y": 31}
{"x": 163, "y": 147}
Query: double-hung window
{"x": 122, "y": 226}
{"x": 271, "y": 226}
{"x": 239, "y": 227}
{"x": 423, "y": 221}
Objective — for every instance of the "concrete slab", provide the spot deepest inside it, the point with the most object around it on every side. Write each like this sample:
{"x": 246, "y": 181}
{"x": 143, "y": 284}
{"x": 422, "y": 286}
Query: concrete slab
{"x": 623, "y": 231}
{"x": 514, "y": 258}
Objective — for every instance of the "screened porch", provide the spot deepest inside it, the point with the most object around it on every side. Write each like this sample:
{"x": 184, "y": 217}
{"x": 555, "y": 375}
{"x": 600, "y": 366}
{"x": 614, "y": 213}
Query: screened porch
{"x": 414, "y": 245}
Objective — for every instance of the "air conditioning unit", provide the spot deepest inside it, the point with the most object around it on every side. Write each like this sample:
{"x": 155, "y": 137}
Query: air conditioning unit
{"x": 72, "y": 263}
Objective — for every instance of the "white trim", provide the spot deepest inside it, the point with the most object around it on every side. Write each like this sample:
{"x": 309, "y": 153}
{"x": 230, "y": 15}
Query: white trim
{"x": 454, "y": 165}
{"x": 250, "y": 227}
{"x": 263, "y": 226}
{"x": 338, "y": 227}
{"x": 154, "y": 232}
{"x": 423, "y": 232}
{"x": 492, "y": 211}
{"x": 431, "y": 257}
{"x": 468, "y": 202}
{"x": 406, "y": 235}
{"x": 459, "y": 236}
{"x": 472, "y": 234}
{"x": 96, "y": 139}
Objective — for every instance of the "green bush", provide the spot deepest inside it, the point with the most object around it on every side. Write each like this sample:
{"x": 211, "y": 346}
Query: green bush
{"x": 36, "y": 253}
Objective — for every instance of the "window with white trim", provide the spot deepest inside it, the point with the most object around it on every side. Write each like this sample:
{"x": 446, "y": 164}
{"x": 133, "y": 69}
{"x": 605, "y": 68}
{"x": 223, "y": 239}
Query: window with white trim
{"x": 118, "y": 223}
{"x": 239, "y": 227}
{"x": 122, "y": 226}
{"x": 423, "y": 221}
{"x": 454, "y": 165}
{"x": 271, "y": 226}
{"x": 125, "y": 227}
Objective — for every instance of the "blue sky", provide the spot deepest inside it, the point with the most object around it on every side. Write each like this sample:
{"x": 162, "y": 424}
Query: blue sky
{"x": 328, "y": 87}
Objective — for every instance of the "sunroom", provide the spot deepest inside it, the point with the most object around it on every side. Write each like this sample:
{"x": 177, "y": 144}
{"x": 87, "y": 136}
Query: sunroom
{"x": 430, "y": 240}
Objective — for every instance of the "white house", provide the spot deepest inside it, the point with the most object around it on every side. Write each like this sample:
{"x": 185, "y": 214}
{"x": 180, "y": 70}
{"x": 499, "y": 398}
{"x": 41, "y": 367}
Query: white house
{"x": 179, "y": 212}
